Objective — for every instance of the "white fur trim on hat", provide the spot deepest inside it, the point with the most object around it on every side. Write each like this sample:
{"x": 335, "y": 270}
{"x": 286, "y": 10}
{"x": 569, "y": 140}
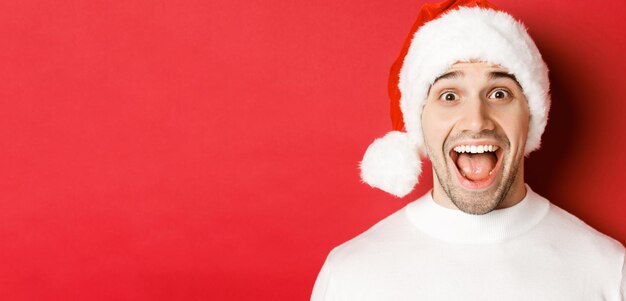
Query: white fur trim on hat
{"x": 392, "y": 163}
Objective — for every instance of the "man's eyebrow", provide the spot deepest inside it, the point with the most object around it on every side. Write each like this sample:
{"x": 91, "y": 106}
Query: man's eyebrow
{"x": 450, "y": 75}
{"x": 492, "y": 76}
{"x": 499, "y": 74}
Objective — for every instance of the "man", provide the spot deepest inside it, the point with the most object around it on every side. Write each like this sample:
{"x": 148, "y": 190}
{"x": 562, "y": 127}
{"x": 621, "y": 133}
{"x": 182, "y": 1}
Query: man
{"x": 472, "y": 92}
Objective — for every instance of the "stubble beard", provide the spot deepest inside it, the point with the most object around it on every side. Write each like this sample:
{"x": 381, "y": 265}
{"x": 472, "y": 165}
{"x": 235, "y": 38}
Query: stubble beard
{"x": 476, "y": 202}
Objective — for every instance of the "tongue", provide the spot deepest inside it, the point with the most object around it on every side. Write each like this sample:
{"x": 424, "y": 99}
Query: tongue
{"x": 476, "y": 166}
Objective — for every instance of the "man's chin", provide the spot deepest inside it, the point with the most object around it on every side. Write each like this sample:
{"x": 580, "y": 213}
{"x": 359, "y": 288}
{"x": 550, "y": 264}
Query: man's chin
{"x": 476, "y": 202}
{"x": 476, "y": 196}
{"x": 479, "y": 198}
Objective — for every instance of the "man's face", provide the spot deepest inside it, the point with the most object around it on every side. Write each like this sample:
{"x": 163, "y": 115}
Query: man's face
{"x": 475, "y": 125}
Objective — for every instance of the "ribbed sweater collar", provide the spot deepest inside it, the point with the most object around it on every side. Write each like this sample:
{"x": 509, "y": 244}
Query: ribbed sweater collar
{"x": 455, "y": 226}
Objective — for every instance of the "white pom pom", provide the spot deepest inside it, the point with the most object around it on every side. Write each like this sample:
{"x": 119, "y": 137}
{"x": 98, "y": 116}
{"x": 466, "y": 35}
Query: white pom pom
{"x": 392, "y": 164}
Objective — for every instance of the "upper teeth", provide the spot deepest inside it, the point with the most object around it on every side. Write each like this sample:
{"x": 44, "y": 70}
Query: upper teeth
{"x": 475, "y": 149}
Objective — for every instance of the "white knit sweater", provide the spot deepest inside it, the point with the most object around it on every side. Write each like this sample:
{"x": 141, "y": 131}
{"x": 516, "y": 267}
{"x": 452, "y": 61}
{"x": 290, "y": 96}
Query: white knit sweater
{"x": 531, "y": 251}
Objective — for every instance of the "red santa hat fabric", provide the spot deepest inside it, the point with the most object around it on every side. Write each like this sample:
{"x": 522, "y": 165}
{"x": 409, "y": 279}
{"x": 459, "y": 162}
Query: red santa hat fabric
{"x": 443, "y": 34}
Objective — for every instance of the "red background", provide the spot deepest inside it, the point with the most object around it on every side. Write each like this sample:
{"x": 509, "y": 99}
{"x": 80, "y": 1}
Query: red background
{"x": 208, "y": 150}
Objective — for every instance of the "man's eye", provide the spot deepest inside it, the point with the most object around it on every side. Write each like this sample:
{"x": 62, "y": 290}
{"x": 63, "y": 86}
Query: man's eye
{"x": 448, "y": 96}
{"x": 499, "y": 93}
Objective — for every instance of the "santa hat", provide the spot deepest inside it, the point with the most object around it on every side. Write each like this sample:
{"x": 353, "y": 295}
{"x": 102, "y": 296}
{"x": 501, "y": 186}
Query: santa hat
{"x": 446, "y": 33}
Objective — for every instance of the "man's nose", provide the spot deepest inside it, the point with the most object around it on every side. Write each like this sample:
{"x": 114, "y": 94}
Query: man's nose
{"x": 476, "y": 116}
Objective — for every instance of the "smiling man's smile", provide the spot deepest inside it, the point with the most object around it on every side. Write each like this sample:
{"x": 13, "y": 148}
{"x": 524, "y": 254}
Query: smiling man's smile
{"x": 476, "y": 163}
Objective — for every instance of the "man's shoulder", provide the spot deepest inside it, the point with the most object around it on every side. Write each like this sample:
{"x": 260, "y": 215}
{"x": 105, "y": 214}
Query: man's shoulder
{"x": 569, "y": 229}
{"x": 389, "y": 234}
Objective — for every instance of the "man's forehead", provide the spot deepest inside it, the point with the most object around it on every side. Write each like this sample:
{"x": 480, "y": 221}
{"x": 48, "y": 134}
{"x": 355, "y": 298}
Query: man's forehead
{"x": 476, "y": 64}
{"x": 492, "y": 71}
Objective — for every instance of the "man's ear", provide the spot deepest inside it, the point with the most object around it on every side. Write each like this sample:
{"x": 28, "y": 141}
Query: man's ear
{"x": 423, "y": 150}
{"x": 423, "y": 153}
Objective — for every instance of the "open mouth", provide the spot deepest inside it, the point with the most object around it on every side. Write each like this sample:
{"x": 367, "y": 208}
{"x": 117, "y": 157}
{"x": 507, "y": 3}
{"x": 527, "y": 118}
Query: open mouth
{"x": 476, "y": 165}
